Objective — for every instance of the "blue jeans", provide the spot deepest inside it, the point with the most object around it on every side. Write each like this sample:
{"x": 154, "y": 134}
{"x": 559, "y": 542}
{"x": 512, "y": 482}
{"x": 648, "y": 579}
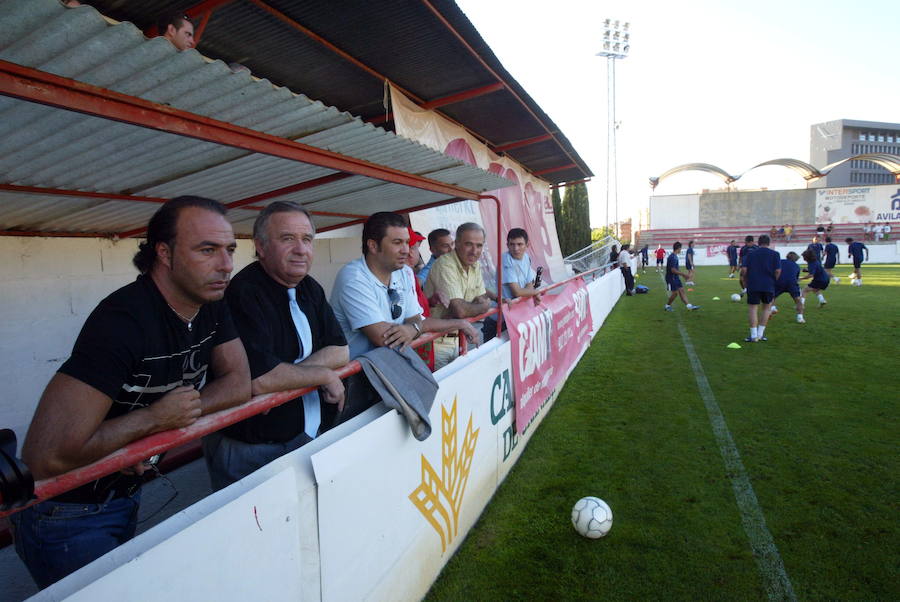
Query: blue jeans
{"x": 54, "y": 539}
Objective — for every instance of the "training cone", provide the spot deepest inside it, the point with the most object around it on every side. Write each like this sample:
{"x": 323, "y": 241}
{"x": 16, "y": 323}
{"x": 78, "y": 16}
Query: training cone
{"x": 690, "y": 290}
{"x": 732, "y": 346}
{"x": 716, "y": 299}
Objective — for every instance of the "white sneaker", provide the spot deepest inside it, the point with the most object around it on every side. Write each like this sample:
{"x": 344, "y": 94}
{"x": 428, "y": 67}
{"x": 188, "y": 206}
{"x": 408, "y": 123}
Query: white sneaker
{"x": 773, "y": 311}
{"x": 800, "y": 319}
{"x": 836, "y": 279}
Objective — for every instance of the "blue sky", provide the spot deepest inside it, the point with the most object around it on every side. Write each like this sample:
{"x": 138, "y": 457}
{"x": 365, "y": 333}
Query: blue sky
{"x": 728, "y": 83}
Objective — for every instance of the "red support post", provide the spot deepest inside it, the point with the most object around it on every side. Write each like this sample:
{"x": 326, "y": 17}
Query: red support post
{"x": 462, "y": 96}
{"x": 483, "y": 197}
{"x": 521, "y": 143}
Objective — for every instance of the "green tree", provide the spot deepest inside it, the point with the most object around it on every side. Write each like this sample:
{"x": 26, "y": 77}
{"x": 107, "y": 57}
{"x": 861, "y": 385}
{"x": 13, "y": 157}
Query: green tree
{"x": 576, "y": 220}
{"x": 561, "y": 224}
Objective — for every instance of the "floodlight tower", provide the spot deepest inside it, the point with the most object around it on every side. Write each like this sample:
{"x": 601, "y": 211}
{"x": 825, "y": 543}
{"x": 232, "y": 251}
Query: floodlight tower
{"x": 616, "y": 44}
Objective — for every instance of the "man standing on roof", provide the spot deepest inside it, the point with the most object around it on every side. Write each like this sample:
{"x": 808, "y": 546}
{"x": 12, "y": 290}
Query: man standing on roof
{"x": 457, "y": 276}
{"x": 439, "y": 243}
{"x": 374, "y": 297}
{"x": 293, "y": 341}
{"x": 178, "y": 29}
{"x": 142, "y": 364}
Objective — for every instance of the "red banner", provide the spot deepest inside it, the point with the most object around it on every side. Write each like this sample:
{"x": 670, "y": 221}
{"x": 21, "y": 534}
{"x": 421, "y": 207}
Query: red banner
{"x": 547, "y": 340}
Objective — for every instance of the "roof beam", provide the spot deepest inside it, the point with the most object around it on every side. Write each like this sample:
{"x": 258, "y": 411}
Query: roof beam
{"x": 81, "y": 193}
{"x": 204, "y": 8}
{"x": 521, "y": 143}
{"x": 52, "y": 90}
{"x": 464, "y": 95}
{"x": 555, "y": 169}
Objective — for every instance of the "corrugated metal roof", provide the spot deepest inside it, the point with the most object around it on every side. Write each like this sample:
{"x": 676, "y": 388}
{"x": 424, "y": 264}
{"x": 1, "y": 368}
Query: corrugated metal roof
{"x": 47, "y": 147}
{"x": 403, "y": 40}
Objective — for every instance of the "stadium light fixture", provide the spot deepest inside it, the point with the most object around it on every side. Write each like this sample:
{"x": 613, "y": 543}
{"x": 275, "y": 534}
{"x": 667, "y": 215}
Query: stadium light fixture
{"x": 616, "y": 45}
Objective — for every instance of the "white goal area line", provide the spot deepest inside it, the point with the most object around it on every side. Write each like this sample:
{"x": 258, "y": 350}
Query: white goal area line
{"x": 768, "y": 560}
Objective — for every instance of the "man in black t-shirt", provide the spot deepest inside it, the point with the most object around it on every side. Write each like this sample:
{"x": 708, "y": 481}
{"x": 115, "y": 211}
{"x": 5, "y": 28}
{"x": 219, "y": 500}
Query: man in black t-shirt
{"x": 139, "y": 366}
{"x": 293, "y": 341}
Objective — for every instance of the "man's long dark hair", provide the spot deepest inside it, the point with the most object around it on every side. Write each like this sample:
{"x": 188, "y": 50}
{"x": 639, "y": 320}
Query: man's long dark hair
{"x": 163, "y": 226}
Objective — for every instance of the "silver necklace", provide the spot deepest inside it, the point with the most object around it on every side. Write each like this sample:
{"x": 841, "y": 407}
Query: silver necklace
{"x": 190, "y": 321}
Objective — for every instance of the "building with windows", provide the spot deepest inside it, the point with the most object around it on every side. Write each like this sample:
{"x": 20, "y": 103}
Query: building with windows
{"x": 835, "y": 140}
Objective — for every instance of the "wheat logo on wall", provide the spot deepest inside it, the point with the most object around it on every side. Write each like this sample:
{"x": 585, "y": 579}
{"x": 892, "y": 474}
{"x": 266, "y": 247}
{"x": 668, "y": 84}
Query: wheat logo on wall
{"x": 439, "y": 497}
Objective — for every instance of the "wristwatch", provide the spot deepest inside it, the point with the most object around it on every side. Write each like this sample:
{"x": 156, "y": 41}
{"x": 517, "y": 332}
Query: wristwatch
{"x": 417, "y": 327}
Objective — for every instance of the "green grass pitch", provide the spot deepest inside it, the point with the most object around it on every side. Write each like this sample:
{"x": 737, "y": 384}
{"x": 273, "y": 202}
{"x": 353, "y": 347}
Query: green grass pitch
{"x": 813, "y": 413}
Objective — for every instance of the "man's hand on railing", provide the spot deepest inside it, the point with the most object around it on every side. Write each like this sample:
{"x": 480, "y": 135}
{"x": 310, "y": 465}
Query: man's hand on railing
{"x": 333, "y": 392}
{"x": 178, "y": 408}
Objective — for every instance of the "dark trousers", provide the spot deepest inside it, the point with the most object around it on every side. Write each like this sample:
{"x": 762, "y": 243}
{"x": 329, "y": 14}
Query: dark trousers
{"x": 629, "y": 279}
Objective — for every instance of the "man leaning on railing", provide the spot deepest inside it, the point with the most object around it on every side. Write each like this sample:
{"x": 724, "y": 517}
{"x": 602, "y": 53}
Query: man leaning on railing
{"x": 140, "y": 365}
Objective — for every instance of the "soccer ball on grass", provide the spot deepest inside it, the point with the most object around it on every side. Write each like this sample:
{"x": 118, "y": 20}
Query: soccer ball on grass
{"x": 592, "y": 517}
{"x": 735, "y": 297}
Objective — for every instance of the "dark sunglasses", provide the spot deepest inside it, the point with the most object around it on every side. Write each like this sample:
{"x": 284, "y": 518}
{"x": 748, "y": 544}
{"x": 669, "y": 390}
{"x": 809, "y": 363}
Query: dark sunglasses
{"x": 394, "y": 297}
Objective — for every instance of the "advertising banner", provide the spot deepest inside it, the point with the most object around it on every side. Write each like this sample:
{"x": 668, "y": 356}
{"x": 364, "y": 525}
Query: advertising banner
{"x": 858, "y": 205}
{"x": 713, "y": 250}
{"x": 547, "y": 340}
{"x": 526, "y": 204}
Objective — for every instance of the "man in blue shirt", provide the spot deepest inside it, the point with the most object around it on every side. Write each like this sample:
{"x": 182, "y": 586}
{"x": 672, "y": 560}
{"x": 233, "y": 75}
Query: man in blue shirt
{"x": 831, "y": 258}
{"x": 645, "y": 259}
{"x": 374, "y": 297}
{"x": 788, "y": 283}
{"x": 748, "y": 248}
{"x": 816, "y": 247}
{"x": 732, "y": 252}
{"x": 855, "y": 252}
{"x": 518, "y": 275}
{"x": 440, "y": 242}
{"x": 689, "y": 263}
{"x": 760, "y": 270}
{"x": 673, "y": 282}
{"x": 818, "y": 275}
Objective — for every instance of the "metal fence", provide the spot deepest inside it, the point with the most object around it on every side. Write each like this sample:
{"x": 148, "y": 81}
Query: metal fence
{"x": 597, "y": 255}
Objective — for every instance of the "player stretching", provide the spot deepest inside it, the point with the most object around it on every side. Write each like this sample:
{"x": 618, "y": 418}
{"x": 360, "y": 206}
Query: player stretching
{"x": 660, "y": 255}
{"x": 855, "y": 252}
{"x": 732, "y": 252}
{"x": 759, "y": 271}
{"x": 689, "y": 263}
{"x": 831, "y": 258}
{"x": 788, "y": 283}
{"x": 673, "y": 282}
{"x": 817, "y": 273}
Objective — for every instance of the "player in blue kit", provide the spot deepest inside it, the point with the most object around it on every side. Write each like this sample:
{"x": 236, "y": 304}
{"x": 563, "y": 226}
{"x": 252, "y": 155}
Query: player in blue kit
{"x": 732, "y": 252}
{"x": 831, "y": 258}
{"x": 748, "y": 248}
{"x": 673, "y": 282}
{"x": 816, "y": 247}
{"x": 855, "y": 252}
{"x": 689, "y": 263}
{"x": 817, "y": 273}
{"x": 759, "y": 271}
{"x": 788, "y": 283}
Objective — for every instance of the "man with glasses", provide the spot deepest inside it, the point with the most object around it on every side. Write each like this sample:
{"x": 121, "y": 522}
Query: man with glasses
{"x": 374, "y": 297}
{"x": 293, "y": 341}
{"x": 143, "y": 363}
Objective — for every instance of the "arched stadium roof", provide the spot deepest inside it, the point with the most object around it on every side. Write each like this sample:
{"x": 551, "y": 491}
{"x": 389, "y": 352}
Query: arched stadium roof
{"x": 889, "y": 162}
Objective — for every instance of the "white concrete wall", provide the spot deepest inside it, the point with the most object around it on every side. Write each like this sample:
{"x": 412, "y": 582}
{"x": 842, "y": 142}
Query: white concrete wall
{"x": 49, "y": 286}
{"x": 675, "y": 211}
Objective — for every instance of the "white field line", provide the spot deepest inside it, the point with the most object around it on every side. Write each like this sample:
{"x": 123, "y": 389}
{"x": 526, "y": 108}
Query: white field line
{"x": 768, "y": 560}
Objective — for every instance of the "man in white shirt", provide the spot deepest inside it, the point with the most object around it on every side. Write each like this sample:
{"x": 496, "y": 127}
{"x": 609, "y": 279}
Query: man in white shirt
{"x": 374, "y": 297}
{"x": 624, "y": 261}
